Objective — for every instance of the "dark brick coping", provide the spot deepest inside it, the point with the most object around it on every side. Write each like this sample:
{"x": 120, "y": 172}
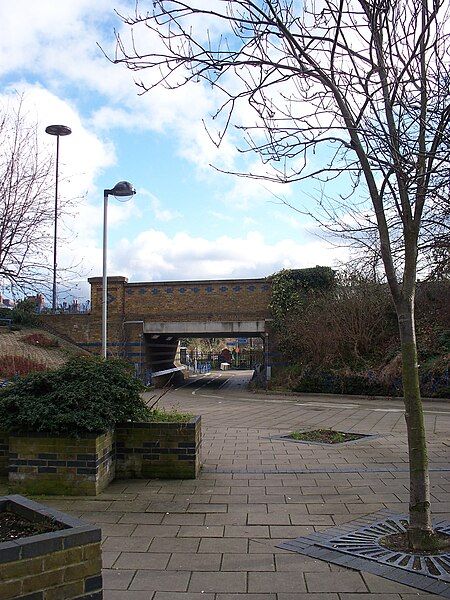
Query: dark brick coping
{"x": 77, "y": 533}
{"x": 317, "y": 545}
{"x": 194, "y": 422}
{"x": 50, "y": 434}
{"x": 191, "y": 424}
{"x": 366, "y": 437}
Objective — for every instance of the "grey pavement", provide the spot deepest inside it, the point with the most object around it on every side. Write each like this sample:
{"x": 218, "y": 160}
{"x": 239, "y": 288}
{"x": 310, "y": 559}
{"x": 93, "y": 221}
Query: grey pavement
{"x": 215, "y": 538}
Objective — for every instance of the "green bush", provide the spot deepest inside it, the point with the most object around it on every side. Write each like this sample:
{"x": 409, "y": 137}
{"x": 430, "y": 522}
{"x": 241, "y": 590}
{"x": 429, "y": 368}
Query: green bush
{"x": 25, "y": 313}
{"x": 162, "y": 416}
{"x": 85, "y": 395}
{"x": 342, "y": 383}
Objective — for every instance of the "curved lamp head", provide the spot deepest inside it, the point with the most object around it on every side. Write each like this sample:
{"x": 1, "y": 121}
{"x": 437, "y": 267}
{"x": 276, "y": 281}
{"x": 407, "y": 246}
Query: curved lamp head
{"x": 58, "y": 130}
{"x": 123, "y": 189}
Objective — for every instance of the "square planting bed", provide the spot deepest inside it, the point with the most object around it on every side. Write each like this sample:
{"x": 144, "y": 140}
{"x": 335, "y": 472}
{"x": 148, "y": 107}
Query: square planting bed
{"x": 41, "y": 463}
{"x": 159, "y": 450}
{"x": 325, "y": 436}
{"x": 63, "y": 564}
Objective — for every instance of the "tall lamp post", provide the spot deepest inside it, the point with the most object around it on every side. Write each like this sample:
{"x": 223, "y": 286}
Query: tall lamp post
{"x": 58, "y": 130}
{"x": 122, "y": 191}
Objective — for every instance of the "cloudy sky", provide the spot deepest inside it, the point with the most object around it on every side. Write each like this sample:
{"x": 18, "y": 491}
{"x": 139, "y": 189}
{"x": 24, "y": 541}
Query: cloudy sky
{"x": 187, "y": 221}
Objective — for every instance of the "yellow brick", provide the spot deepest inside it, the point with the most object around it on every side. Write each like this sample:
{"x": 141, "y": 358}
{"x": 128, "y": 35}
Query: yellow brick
{"x": 63, "y": 558}
{"x": 42, "y": 581}
{"x": 20, "y": 568}
{"x": 83, "y": 570}
{"x": 10, "y": 589}
{"x": 92, "y": 551}
{"x": 74, "y": 589}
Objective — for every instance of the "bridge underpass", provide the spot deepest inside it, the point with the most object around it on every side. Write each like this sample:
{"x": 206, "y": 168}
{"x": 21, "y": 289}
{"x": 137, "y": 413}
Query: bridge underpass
{"x": 160, "y": 340}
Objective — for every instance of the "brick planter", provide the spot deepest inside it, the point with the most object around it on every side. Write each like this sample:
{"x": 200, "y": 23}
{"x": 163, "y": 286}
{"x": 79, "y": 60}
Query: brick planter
{"x": 58, "y": 565}
{"x": 40, "y": 463}
{"x": 158, "y": 450}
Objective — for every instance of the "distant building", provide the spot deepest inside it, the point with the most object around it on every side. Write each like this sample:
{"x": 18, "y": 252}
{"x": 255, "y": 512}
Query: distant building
{"x": 6, "y": 302}
{"x": 40, "y": 302}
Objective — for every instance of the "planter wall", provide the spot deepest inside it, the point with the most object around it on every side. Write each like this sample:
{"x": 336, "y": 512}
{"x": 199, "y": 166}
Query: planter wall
{"x": 59, "y": 565}
{"x": 43, "y": 464}
{"x": 158, "y": 450}
{"x": 39, "y": 463}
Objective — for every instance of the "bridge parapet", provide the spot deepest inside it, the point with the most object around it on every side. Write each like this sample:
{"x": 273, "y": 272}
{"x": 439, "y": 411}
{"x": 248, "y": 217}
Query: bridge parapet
{"x": 225, "y": 299}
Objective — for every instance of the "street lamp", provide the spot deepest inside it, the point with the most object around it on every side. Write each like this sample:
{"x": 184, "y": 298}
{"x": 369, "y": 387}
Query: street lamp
{"x": 122, "y": 191}
{"x": 57, "y": 130}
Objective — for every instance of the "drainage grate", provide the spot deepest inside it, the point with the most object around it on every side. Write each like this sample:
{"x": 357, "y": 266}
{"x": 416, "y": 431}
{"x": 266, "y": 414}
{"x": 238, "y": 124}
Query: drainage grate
{"x": 365, "y": 543}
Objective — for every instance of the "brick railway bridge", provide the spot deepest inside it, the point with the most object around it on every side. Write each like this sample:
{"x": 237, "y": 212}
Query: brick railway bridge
{"x": 146, "y": 320}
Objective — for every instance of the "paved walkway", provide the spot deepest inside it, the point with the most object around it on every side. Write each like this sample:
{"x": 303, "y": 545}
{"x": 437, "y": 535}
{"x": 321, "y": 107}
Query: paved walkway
{"x": 215, "y": 538}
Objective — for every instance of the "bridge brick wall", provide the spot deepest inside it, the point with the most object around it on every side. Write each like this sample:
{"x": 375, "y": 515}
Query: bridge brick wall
{"x": 218, "y": 300}
{"x": 192, "y": 300}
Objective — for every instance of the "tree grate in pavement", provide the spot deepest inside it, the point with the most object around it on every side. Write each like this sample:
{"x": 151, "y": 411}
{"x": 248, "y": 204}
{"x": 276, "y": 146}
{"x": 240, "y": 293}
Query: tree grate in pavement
{"x": 312, "y": 470}
{"x": 356, "y": 545}
{"x": 365, "y": 542}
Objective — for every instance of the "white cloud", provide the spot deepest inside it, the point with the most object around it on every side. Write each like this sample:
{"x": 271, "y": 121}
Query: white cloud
{"x": 57, "y": 43}
{"x": 220, "y": 216}
{"x": 154, "y": 255}
{"x": 159, "y": 213}
{"x": 83, "y": 156}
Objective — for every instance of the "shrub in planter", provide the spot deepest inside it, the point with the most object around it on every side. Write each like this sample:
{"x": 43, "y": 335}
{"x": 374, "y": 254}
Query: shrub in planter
{"x": 86, "y": 395}
{"x": 61, "y": 423}
{"x": 65, "y": 425}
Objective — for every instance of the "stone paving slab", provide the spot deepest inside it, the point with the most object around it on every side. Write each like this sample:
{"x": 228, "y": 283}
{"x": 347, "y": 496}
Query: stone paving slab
{"x": 216, "y": 538}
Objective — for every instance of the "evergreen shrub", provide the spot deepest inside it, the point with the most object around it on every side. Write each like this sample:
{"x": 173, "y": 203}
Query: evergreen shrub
{"x": 83, "y": 396}
{"x": 24, "y": 313}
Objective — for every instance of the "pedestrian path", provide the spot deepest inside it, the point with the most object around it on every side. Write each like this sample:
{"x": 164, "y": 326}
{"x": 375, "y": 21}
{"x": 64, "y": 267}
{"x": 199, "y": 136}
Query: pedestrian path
{"x": 217, "y": 537}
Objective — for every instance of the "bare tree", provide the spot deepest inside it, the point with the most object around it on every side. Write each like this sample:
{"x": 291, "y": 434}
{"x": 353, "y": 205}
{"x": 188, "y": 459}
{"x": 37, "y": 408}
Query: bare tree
{"x": 349, "y": 91}
{"x": 26, "y": 203}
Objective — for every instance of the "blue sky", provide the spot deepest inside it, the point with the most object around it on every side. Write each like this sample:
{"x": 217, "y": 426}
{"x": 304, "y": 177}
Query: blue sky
{"x": 187, "y": 221}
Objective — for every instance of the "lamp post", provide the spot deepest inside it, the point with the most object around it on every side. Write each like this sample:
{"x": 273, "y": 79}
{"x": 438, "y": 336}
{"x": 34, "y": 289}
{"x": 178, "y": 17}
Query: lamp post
{"x": 57, "y": 130}
{"x": 123, "y": 189}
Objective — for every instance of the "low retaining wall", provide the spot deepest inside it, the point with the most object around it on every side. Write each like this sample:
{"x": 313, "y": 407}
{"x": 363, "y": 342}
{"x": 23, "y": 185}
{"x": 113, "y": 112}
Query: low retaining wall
{"x": 158, "y": 450}
{"x": 58, "y": 565}
{"x": 43, "y": 464}
{"x": 40, "y": 463}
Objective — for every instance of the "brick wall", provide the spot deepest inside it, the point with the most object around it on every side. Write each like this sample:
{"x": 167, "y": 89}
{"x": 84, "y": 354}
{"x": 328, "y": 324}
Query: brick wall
{"x": 218, "y": 300}
{"x": 158, "y": 450}
{"x": 222, "y": 299}
{"x": 58, "y": 565}
{"x": 42, "y": 464}
{"x": 73, "y": 573}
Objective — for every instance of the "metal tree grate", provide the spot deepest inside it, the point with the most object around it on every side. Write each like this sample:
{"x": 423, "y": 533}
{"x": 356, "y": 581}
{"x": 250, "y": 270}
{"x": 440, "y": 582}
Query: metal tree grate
{"x": 365, "y": 542}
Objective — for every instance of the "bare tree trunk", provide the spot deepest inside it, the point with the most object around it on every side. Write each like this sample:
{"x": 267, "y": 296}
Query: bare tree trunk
{"x": 420, "y": 527}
